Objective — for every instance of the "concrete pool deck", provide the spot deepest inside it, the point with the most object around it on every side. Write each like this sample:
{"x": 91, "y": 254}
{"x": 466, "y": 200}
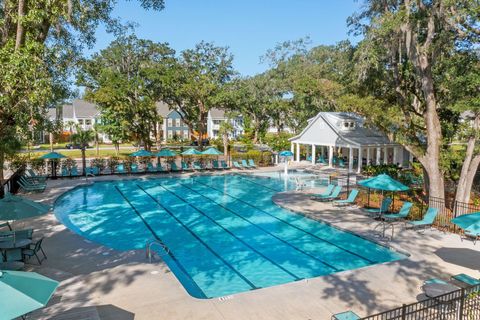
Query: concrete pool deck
{"x": 100, "y": 283}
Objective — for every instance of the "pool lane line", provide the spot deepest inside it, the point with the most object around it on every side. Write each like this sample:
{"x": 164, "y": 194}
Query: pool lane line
{"x": 243, "y": 176}
{"x": 288, "y": 223}
{"x": 233, "y": 235}
{"x": 182, "y": 268}
{"x": 336, "y": 269}
{"x": 200, "y": 240}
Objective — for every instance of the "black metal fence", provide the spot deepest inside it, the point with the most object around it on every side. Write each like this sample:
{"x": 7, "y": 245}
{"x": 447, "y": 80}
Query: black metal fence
{"x": 447, "y": 210}
{"x": 463, "y": 304}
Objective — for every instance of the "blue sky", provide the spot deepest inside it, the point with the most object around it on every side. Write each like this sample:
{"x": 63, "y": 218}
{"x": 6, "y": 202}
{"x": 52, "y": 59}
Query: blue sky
{"x": 248, "y": 27}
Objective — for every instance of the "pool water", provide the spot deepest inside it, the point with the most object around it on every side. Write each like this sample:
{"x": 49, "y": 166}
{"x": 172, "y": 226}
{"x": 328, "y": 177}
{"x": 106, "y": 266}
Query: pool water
{"x": 223, "y": 233}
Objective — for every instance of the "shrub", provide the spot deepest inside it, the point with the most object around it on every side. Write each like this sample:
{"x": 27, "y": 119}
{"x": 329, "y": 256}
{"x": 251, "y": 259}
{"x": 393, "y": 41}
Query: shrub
{"x": 18, "y": 162}
{"x": 261, "y": 158}
{"x": 68, "y": 163}
{"x": 38, "y": 165}
{"x": 278, "y": 141}
{"x": 112, "y": 163}
{"x": 100, "y": 163}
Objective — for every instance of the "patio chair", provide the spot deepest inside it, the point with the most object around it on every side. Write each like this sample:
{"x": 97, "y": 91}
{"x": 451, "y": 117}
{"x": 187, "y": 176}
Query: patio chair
{"x": 32, "y": 175}
{"x": 465, "y": 280}
{"x": 252, "y": 164}
{"x": 350, "y": 200}
{"x": 134, "y": 168}
{"x": 95, "y": 171}
{"x": 65, "y": 172}
{"x": 347, "y": 315}
{"x": 325, "y": 193}
{"x": 402, "y": 214}
{"x": 185, "y": 167}
{"x": 31, "y": 182}
{"x": 341, "y": 163}
{"x": 23, "y": 234}
{"x": 173, "y": 167}
{"x": 33, "y": 250}
{"x": 427, "y": 220}
{"x": 224, "y": 165}
{"x": 160, "y": 168}
{"x": 31, "y": 188}
{"x": 246, "y": 165}
{"x": 215, "y": 165}
{"x": 386, "y": 202}
{"x": 74, "y": 172}
{"x": 198, "y": 166}
{"x": 334, "y": 195}
{"x": 321, "y": 159}
{"x": 236, "y": 165}
{"x": 150, "y": 167}
{"x": 6, "y": 224}
{"x": 120, "y": 168}
{"x": 471, "y": 233}
{"x": 435, "y": 281}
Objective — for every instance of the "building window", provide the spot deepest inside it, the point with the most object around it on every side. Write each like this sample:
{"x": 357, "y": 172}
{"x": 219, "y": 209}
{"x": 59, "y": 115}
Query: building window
{"x": 80, "y": 121}
{"x": 185, "y": 134}
{"x": 177, "y": 122}
{"x": 88, "y": 122}
{"x": 169, "y": 122}
{"x": 217, "y": 121}
{"x": 170, "y": 134}
{"x": 178, "y": 133}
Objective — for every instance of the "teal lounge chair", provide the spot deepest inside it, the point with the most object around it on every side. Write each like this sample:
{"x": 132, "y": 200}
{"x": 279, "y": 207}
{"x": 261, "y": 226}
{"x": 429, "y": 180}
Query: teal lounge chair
{"x": 198, "y": 166}
{"x": 334, "y": 195}
{"x": 160, "y": 168}
{"x": 224, "y": 165}
{"x": 185, "y": 166}
{"x": 74, "y": 172}
{"x": 245, "y": 164}
{"x": 347, "y": 315}
{"x": 173, "y": 167}
{"x": 31, "y": 188}
{"x": 435, "y": 281}
{"x": 215, "y": 165}
{"x": 32, "y": 183}
{"x": 251, "y": 163}
{"x": 327, "y": 192}
{"x": 65, "y": 172}
{"x": 150, "y": 167}
{"x": 134, "y": 168}
{"x": 321, "y": 159}
{"x": 95, "y": 170}
{"x": 427, "y": 220}
{"x": 472, "y": 233}
{"x": 402, "y": 214}
{"x": 350, "y": 200}
{"x": 341, "y": 163}
{"x": 386, "y": 202}
{"x": 466, "y": 280}
{"x": 120, "y": 168}
{"x": 32, "y": 175}
{"x": 236, "y": 165}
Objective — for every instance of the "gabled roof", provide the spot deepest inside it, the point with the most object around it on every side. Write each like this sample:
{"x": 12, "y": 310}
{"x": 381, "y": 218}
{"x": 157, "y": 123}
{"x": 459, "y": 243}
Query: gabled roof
{"x": 360, "y": 135}
{"x": 217, "y": 113}
{"x": 84, "y": 109}
{"x": 67, "y": 111}
{"x": 163, "y": 109}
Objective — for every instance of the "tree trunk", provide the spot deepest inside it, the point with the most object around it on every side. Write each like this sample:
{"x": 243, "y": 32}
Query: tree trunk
{"x": 20, "y": 37}
{"x": 84, "y": 163}
{"x": 117, "y": 148}
{"x": 50, "y": 137}
{"x": 97, "y": 153}
{"x": 225, "y": 146}
{"x": 2, "y": 179}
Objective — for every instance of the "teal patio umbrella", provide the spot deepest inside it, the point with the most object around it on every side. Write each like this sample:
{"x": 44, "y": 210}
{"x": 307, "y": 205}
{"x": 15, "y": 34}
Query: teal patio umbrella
{"x": 165, "y": 153}
{"x": 469, "y": 222}
{"x": 211, "y": 152}
{"x": 383, "y": 182}
{"x": 191, "y": 152}
{"x": 141, "y": 153}
{"x": 286, "y": 154}
{"x": 23, "y": 292}
{"x": 53, "y": 156}
{"x": 18, "y": 208}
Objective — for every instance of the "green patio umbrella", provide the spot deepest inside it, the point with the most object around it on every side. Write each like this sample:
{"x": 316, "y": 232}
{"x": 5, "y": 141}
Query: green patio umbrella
{"x": 23, "y": 292}
{"x": 53, "y": 156}
{"x": 469, "y": 222}
{"x": 141, "y": 153}
{"x": 18, "y": 208}
{"x": 211, "y": 152}
{"x": 165, "y": 153}
{"x": 191, "y": 152}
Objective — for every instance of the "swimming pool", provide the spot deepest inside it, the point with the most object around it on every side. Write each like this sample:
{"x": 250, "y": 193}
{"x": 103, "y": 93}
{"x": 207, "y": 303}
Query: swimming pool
{"x": 223, "y": 233}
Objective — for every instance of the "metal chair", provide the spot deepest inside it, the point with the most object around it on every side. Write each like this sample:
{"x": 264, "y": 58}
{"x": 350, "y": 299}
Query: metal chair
{"x": 33, "y": 250}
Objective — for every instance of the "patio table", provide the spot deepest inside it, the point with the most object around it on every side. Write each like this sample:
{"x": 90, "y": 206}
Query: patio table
{"x": 9, "y": 245}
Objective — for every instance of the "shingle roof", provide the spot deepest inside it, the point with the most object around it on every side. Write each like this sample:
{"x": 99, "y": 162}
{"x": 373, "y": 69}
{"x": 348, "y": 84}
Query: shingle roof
{"x": 67, "y": 111}
{"x": 163, "y": 109}
{"x": 217, "y": 113}
{"x": 85, "y": 109}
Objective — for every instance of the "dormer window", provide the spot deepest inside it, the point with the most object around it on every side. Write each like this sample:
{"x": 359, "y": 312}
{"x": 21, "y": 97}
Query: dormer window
{"x": 348, "y": 125}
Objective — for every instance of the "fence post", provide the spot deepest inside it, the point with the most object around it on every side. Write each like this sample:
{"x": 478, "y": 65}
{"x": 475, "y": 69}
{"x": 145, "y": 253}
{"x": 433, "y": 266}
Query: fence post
{"x": 462, "y": 304}
{"x": 404, "y": 311}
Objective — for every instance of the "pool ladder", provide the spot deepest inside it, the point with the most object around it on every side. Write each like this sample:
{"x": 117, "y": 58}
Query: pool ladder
{"x": 150, "y": 244}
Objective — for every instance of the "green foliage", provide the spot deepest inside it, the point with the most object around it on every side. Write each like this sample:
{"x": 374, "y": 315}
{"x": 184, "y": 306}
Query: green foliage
{"x": 68, "y": 163}
{"x": 100, "y": 163}
{"x": 112, "y": 163}
{"x": 391, "y": 169}
{"x": 18, "y": 161}
{"x": 278, "y": 141}
{"x": 260, "y": 158}
{"x": 38, "y": 165}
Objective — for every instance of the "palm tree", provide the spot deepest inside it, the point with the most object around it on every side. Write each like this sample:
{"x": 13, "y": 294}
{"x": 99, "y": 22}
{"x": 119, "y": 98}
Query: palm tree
{"x": 82, "y": 138}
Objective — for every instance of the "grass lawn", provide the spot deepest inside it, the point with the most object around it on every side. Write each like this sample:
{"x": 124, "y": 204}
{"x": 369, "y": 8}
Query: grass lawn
{"x": 46, "y": 146}
{"x": 90, "y": 153}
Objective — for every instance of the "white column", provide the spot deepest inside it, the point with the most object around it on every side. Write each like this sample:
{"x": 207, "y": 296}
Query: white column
{"x": 368, "y": 156}
{"x": 377, "y": 160}
{"x": 313, "y": 153}
{"x": 330, "y": 156}
{"x": 360, "y": 160}
{"x": 350, "y": 159}
{"x": 292, "y": 147}
{"x": 385, "y": 155}
{"x": 395, "y": 155}
{"x": 298, "y": 152}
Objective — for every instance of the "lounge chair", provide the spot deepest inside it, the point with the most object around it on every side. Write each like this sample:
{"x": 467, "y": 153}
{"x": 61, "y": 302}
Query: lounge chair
{"x": 334, "y": 195}
{"x": 402, "y": 214}
{"x": 347, "y": 315}
{"x": 150, "y": 167}
{"x": 65, "y": 172}
{"x": 350, "y": 200}
{"x": 245, "y": 164}
{"x": 386, "y": 202}
{"x": 32, "y": 183}
{"x": 321, "y": 159}
{"x": 341, "y": 163}
{"x": 33, "y": 250}
{"x": 31, "y": 188}
{"x": 160, "y": 168}
{"x": 236, "y": 165}
{"x": 185, "y": 166}
{"x": 74, "y": 172}
{"x": 465, "y": 280}
{"x": 215, "y": 165}
{"x": 251, "y": 163}
{"x": 224, "y": 165}
{"x": 427, "y": 220}
{"x": 6, "y": 224}
{"x": 174, "y": 168}
{"x": 325, "y": 193}
{"x": 93, "y": 171}
{"x": 120, "y": 168}
{"x": 198, "y": 166}
{"x": 134, "y": 168}
{"x": 32, "y": 175}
